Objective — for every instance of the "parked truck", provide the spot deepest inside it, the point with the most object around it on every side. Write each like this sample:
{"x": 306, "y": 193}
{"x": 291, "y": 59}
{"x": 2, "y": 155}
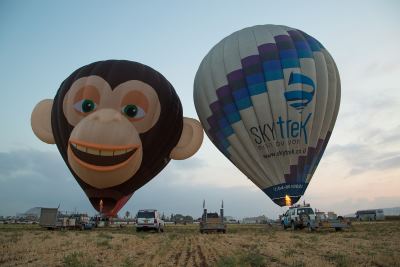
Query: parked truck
{"x": 50, "y": 218}
{"x": 212, "y": 222}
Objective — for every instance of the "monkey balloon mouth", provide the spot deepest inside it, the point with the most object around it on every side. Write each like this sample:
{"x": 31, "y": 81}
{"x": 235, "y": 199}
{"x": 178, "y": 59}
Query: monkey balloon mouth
{"x": 101, "y": 157}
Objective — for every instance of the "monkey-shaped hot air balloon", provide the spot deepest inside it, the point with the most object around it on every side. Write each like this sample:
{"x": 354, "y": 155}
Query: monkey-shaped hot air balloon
{"x": 117, "y": 124}
{"x": 268, "y": 97}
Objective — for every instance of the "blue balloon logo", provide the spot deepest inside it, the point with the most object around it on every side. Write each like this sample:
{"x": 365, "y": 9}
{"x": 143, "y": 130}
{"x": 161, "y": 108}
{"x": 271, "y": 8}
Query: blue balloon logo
{"x": 299, "y": 98}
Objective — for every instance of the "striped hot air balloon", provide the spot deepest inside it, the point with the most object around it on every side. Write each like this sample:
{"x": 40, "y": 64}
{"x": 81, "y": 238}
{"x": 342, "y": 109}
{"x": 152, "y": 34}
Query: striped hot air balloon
{"x": 268, "y": 97}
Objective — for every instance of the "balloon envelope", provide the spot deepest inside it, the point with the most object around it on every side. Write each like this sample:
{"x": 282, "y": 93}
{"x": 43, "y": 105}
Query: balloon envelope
{"x": 110, "y": 83}
{"x": 268, "y": 97}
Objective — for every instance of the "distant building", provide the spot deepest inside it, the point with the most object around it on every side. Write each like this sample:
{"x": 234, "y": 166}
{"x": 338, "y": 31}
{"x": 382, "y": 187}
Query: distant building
{"x": 256, "y": 220}
{"x": 230, "y": 219}
{"x": 392, "y": 211}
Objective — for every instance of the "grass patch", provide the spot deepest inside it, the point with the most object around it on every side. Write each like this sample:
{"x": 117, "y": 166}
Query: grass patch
{"x": 252, "y": 258}
{"x": 45, "y": 237}
{"x": 76, "y": 259}
{"x": 105, "y": 235}
{"x": 298, "y": 263}
{"x": 104, "y": 243}
{"x": 172, "y": 236}
{"x": 62, "y": 232}
{"x": 300, "y": 244}
{"x": 296, "y": 236}
{"x": 313, "y": 238}
{"x": 13, "y": 237}
{"x": 227, "y": 261}
{"x": 349, "y": 236}
{"x": 289, "y": 252}
{"x": 339, "y": 259}
{"x": 104, "y": 240}
{"x": 128, "y": 262}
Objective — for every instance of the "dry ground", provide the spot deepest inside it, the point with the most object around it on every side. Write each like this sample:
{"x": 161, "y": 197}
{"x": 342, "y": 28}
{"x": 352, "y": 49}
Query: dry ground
{"x": 366, "y": 244}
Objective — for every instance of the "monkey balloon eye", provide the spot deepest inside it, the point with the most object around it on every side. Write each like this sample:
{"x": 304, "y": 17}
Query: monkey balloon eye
{"x": 133, "y": 111}
{"x": 85, "y": 105}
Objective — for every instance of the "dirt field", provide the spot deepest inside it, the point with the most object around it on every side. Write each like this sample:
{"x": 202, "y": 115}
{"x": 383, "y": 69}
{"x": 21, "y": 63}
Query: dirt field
{"x": 366, "y": 244}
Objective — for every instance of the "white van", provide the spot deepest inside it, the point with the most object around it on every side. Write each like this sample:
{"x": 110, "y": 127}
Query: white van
{"x": 149, "y": 220}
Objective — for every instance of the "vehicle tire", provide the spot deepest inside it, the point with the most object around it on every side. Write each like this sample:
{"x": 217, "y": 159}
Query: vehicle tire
{"x": 338, "y": 229}
{"x": 138, "y": 229}
{"x": 293, "y": 226}
{"x": 201, "y": 231}
{"x": 224, "y": 231}
{"x": 309, "y": 228}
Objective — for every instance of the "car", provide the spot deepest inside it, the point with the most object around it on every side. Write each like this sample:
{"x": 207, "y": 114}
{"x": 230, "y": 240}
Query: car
{"x": 303, "y": 216}
{"x": 149, "y": 220}
{"x": 297, "y": 217}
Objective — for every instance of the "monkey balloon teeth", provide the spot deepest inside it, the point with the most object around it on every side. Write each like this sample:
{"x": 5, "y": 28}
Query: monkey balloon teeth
{"x": 102, "y": 157}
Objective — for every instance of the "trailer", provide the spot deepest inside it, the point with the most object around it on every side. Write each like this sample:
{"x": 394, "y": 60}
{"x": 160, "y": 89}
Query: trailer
{"x": 326, "y": 221}
{"x": 212, "y": 222}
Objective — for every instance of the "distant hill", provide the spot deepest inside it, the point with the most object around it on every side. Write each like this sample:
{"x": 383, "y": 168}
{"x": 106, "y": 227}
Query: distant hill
{"x": 34, "y": 211}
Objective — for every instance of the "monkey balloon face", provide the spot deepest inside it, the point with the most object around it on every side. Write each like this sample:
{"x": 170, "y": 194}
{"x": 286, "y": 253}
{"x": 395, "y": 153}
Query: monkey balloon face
{"x": 105, "y": 148}
{"x": 117, "y": 124}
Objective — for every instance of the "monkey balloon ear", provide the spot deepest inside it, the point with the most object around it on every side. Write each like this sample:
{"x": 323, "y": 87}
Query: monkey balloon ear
{"x": 190, "y": 141}
{"x": 41, "y": 121}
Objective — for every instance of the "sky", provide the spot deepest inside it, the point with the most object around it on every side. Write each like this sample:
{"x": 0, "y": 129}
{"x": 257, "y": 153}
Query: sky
{"x": 42, "y": 42}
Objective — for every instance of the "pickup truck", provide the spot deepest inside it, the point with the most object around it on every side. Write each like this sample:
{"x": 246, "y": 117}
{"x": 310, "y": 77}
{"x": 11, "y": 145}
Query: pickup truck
{"x": 299, "y": 217}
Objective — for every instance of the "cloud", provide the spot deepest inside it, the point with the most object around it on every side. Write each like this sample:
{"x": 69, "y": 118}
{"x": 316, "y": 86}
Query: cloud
{"x": 367, "y": 134}
{"x": 30, "y": 178}
{"x": 375, "y": 68}
{"x": 365, "y": 157}
{"x": 390, "y": 163}
{"x": 37, "y": 163}
{"x": 190, "y": 164}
